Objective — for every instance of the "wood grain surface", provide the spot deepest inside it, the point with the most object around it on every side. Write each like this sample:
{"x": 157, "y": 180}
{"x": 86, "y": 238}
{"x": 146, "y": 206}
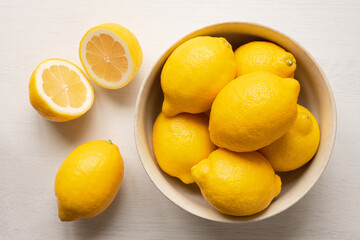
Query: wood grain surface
{"x": 32, "y": 149}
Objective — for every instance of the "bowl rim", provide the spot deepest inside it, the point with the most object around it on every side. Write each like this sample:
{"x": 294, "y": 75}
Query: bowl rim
{"x": 178, "y": 203}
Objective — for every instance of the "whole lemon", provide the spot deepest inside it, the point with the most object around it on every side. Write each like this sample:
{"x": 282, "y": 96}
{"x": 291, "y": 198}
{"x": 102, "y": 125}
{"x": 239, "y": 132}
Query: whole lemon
{"x": 297, "y": 146}
{"x": 194, "y": 74}
{"x": 264, "y": 56}
{"x": 238, "y": 184}
{"x": 180, "y": 142}
{"x": 88, "y": 180}
{"x": 253, "y": 111}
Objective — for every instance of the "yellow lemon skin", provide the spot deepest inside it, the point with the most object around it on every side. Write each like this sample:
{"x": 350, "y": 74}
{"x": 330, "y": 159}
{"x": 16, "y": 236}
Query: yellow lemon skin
{"x": 194, "y": 73}
{"x": 297, "y": 146}
{"x": 253, "y": 111}
{"x": 180, "y": 142}
{"x": 264, "y": 56}
{"x": 43, "y": 107}
{"x": 88, "y": 180}
{"x": 238, "y": 184}
{"x": 131, "y": 42}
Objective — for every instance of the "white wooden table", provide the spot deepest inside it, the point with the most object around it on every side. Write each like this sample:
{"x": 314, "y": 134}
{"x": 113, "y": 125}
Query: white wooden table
{"x": 32, "y": 149}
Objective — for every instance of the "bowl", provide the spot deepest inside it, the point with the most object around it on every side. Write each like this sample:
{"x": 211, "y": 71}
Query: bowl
{"x": 315, "y": 94}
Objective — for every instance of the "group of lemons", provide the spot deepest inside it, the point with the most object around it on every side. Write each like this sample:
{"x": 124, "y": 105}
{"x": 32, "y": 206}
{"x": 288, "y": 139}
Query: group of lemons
{"x": 90, "y": 176}
{"x": 254, "y": 127}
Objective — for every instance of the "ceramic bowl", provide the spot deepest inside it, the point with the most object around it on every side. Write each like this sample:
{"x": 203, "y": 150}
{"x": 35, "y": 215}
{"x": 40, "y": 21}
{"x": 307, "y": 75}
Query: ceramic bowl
{"x": 315, "y": 94}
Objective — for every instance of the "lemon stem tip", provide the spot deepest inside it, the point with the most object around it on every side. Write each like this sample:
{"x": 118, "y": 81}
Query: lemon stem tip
{"x": 289, "y": 62}
{"x": 109, "y": 141}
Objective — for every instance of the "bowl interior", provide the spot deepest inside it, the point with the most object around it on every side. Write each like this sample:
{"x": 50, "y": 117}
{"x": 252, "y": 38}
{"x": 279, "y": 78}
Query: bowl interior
{"x": 315, "y": 94}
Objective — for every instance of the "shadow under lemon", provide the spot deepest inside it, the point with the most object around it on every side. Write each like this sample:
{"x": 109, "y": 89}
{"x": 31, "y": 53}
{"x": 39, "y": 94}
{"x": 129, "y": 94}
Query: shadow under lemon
{"x": 91, "y": 228}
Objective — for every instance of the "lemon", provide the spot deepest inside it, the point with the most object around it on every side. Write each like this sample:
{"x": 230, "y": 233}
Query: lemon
{"x": 238, "y": 184}
{"x": 297, "y": 146}
{"x": 180, "y": 142}
{"x": 264, "y": 56}
{"x": 59, "y": 91}
{"x": 88, "y": 180}
{"x": 194, "y": 73}
{"x": 253, "y": 110}
{"x": 111, "y": 55}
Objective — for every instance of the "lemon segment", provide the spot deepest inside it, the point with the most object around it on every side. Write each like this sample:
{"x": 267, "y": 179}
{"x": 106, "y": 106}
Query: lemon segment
{"x": 59, "y": 91}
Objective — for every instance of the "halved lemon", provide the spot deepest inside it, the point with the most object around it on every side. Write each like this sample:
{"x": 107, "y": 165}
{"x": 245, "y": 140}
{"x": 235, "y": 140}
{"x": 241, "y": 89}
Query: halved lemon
{"x": 111, "y": 55}
{"x": 59, "y": 91}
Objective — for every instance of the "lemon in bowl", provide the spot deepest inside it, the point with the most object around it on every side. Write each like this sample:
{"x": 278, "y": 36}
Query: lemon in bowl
{"x": 315, "y": 94}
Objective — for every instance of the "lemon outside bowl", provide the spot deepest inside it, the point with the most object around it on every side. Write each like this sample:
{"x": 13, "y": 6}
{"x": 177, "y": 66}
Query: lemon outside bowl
{"x": 315, "y": 94}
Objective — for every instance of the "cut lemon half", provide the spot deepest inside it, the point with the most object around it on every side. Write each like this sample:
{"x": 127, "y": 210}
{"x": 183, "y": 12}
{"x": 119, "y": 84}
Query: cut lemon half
{"x": 111, "y": 55}
{"x": 59, "y": 91}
